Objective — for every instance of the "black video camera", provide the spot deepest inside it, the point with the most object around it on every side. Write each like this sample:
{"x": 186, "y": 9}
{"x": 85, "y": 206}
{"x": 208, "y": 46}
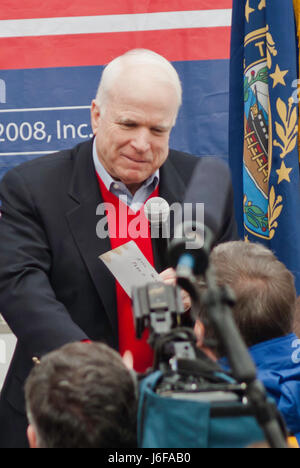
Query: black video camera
{"x": 186, "y": 369}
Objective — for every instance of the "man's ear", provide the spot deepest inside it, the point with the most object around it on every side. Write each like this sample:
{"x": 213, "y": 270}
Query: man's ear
{"x": 31, "y": 436}
{"x": 199, "y": 331}
{"x": 128, "y": 359}
{"x": 95, "y": 116}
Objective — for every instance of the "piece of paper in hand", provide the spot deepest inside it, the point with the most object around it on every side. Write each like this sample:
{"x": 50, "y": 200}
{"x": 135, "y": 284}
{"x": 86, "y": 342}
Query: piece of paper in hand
{"x": 129, "y": 266}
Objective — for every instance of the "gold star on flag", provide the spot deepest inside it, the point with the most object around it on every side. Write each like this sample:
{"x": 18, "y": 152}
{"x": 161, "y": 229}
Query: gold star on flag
{"x": 248, "y": 10}
{"x": 262, "y": 4}
{"x": 278, "y": 76}
{"x": 284, "y": 173}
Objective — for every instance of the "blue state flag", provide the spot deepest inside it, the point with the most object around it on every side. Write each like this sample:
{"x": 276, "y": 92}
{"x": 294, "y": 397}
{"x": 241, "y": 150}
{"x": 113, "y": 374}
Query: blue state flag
{"x": 263, "y": 126}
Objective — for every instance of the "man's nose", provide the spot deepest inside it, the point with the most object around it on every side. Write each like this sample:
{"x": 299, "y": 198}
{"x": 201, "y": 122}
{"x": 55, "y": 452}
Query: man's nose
{"x": 141, "y": 141}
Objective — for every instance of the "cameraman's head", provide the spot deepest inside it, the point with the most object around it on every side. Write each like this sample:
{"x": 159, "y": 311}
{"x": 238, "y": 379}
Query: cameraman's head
{"x": 264, "y": 290}
{"x": 81, "y": 396}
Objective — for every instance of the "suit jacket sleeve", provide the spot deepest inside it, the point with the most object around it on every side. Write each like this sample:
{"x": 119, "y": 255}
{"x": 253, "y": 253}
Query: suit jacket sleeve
{"x": 27, "y": 300}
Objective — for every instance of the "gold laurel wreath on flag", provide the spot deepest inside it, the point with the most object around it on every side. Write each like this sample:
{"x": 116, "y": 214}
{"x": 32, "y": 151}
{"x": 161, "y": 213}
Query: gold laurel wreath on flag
{"x": 297, "y": 15}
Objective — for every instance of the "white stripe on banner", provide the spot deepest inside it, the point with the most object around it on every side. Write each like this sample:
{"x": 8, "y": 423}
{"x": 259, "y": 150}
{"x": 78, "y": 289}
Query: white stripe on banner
{"x": 35, "y": 109}
{"x": 28, "y": 153}
{"x": 115, "y": 23}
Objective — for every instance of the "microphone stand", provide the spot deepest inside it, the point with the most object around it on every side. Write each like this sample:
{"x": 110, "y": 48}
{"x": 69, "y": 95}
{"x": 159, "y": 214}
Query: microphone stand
{"x": 218, "y": 302}
{"x": 160, "y": 244}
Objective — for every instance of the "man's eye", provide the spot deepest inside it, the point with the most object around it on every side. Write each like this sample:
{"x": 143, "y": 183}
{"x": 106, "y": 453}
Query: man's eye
{"x": 128, "y": 124}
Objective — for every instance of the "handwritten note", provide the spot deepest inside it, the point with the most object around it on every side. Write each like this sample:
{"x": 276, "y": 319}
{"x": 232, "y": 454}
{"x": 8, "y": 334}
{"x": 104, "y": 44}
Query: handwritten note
{"x": 129, "y": 266}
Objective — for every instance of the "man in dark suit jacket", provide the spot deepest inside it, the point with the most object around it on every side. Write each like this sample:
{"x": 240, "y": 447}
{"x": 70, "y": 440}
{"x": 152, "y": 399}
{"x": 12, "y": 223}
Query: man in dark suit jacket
{"x": 53, "y": 288}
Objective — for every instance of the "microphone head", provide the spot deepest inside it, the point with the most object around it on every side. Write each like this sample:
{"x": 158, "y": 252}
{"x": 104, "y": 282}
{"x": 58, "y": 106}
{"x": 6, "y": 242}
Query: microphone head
{"x": 157, "y": 210}
{"x": 194, "y": 239}
{"x": 192, "y": 232}
{"x": 211, "y": 185}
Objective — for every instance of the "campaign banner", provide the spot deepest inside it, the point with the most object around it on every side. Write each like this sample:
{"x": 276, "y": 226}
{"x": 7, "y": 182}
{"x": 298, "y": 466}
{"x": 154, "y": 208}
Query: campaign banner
{"x": 53, "y": 54}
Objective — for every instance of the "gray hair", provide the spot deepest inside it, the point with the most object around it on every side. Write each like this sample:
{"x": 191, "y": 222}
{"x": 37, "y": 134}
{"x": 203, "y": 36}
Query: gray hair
{"x": 264, "y": 289}
{"x": 115, "y": 68}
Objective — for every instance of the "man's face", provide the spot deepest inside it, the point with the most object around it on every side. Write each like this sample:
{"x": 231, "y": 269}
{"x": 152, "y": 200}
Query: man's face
{"x": 132, "y": 135}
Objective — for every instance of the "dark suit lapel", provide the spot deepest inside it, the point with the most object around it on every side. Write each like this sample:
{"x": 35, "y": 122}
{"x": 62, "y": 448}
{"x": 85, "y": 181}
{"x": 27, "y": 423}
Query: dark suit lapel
{"x": 82, "y": 219}
{"x": 171, "y": 187}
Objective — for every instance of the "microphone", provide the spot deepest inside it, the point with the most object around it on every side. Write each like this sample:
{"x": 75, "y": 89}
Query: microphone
{"x": 189, "y": 255}
{"x": 211, "y": 185}
{"x": 157, "y": 211}
{"x": 210, "y": 189}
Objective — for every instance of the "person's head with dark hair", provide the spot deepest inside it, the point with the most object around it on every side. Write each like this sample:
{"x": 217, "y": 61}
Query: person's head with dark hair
{"x": 263, "y": 286}
{"x": 81, "y": 396}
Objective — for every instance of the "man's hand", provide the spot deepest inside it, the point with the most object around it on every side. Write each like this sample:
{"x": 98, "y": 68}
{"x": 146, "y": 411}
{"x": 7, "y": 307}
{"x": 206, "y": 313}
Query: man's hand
{"x": 169, "y": 277}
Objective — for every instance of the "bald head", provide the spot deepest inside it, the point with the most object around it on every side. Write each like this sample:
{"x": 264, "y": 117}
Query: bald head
{"x": 141, "y": 68}
{"x": 133, "y": 114}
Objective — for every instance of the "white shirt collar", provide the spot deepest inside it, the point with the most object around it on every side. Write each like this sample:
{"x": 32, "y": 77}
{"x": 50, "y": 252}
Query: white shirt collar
{"x": 118, "y": 188}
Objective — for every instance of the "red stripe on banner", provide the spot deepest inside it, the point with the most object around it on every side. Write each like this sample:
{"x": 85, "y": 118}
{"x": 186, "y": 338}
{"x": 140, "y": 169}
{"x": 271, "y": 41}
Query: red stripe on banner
{"x": 99, "y": 49}
{"x": 25, "y": 9}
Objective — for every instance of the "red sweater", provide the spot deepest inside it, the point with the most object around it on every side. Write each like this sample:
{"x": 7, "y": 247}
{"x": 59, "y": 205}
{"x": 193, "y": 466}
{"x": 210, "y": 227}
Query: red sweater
{"x": 140, "y": 349}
